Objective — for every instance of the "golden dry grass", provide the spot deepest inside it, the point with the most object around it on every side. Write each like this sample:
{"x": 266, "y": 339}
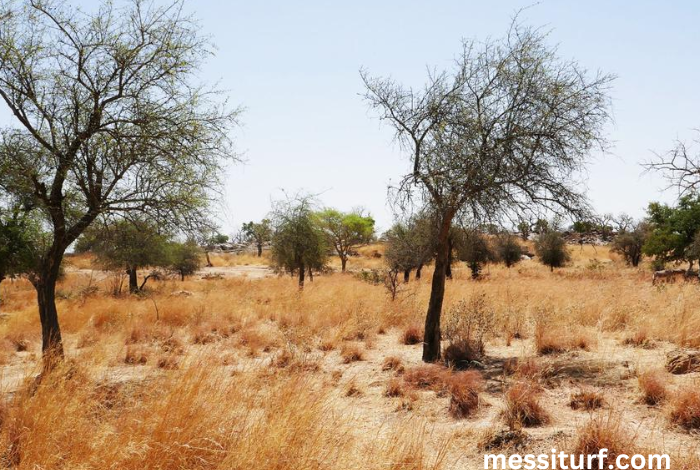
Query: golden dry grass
{"x": 253, "y": 373}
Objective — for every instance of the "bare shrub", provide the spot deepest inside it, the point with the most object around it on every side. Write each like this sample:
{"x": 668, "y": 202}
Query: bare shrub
{"x": 412, "y": 335}
{"x": 464, "y": 388}
{"x": 652, "y": 384}
{"x": 685, "y": 408}
{"x": 587, "y": 400}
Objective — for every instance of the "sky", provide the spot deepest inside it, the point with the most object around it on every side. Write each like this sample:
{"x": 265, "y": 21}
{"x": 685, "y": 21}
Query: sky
{"x": 294, "y": 67}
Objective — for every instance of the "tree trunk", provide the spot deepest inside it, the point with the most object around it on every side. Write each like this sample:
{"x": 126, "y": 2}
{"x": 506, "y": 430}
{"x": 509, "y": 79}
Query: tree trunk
{"x": 431, "y": 340}
{"x": 133, "y": 280}
{"x": 311, "y": 275}
{"x": 45, "y": 285}
{"x": 209, "y": 265}
{"x": 448, "y": 269}
{"x": 259, "y": 250}
{"x": 2, "y": 278}
{"x": 406, "y": 275}
{"x": 343, "y": 262}
{"x": 302, "y": 273}
{"x": 418, "y": 270}
{"x": 182, "y": 276}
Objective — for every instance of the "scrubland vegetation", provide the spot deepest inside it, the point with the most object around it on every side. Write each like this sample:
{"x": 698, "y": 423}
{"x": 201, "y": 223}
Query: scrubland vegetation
{"x": 238, "y": 372}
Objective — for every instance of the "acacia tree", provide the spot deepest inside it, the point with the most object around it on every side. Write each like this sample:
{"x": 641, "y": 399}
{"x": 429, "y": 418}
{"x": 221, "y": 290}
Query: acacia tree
{"x": 184, "y": 258}
{"x": 298, "y": 243}
{"x": 259, "y": 233}
{"x": 109, "y": 118}
{"x": 507, "y": 249}
{"x": 473, "y": 248}
{"x": 505, "y": 132}
{"x": 345, "y": 231}
{"x": 411, "y": 244}
{"x": 550, "y": 248}
{"x": 128, "y": 246}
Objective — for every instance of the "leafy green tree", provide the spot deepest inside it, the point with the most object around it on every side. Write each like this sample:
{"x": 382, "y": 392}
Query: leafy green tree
{"x": 507, "y": 249}
{"x": 673, "y": 230}
{"x": 524, "y": 229}
{"x": 346, "y": 231}
{"x": 550, "y": 248}
{"x": 19, "y": 243}
{"x": 629, "y": 244}
{"x": 259, "y": 233}
{"x": 129, "y": 245}
{"x": 110, "y": 118}
{"x": 473, "y": 248}
{"x": 185, "y": 258}
{"x": 298, "y": 243}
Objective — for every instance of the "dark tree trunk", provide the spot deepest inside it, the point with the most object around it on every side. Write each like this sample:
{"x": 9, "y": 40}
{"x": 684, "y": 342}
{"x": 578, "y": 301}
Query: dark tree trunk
{"x": 343, "y": 262}
{"x": 302, "y": 273}
{"x": 448, "y": 269}
{"x": 133, "y": 280}
{"x": 182, "y": 276}
{"x": 259, "y": 250}
{"x": 406, "y": 275}
{"x": 418, "y": 270}
{"x": 209, "y": 265}
{"x": 431, "y": 340}
{"x": 311, "y": 275}
{"x": 2, "y": 278}
{"x": 45, "y": 285}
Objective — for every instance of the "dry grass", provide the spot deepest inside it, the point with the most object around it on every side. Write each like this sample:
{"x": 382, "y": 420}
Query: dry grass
{"x": 413, "y": 334}
{"x": 653, "y": 386}
{"x": 240, "y": 374}
{"x": 587, "y": 400}
{"x": 523, "y": 407}
{"x": 603, "y": 432}
{"x": 685, "y": 408}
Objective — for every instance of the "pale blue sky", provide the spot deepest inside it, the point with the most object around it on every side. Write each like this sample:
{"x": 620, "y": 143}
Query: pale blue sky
{"x": 294, "y": 67}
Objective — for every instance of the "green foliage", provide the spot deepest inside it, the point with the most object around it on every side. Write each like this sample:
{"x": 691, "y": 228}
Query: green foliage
{"x": 185, "y": 258}
{"x": 524, "y": 229}
{"x": 128, "y": 244}
{"x": 673, "y": 230}
{"x": 629, "y": 244}
{"x": 411, "y": 244}
{"x": 298, "y": 243}
{"x": 583, "y": 226}
{"x": 219, "y": 238}
{"x": 19, "y": 240}
{"x": 259, "y": 233}
{"x": 550, "y": 248}
{"x": 508, "y": 250}
{"x": 344, "y": 231}
{"x": 473, "y": 248}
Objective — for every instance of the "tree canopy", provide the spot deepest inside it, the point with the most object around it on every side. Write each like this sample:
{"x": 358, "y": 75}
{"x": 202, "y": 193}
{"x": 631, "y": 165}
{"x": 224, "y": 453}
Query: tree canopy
{"x": 345, "y": 231}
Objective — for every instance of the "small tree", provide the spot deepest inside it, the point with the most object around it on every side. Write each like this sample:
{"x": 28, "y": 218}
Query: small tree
{"x": 185, "y": 258}
{"x": 629, "y": 244}
{"x": 473, "y": 248}
{"x": 550, "y": 248}
{"x": 523, "y": 228}
{"x": 411, "y": 244}
{"x": 129, "y": 245}
{"x": 508, "y": 250}
{"x": 345, "y": 231}
{"x": 298, "y": 243}
{"x": 672, "y": 230}
{"x": 259, "y": 233}
{"x": 209, "y": 241}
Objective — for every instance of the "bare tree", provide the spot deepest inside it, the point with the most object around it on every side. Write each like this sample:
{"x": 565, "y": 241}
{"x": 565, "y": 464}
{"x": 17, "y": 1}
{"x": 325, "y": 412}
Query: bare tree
{"x": 504, "y": 133}
{"x": 109, "y": 118}
{"x": 679, "y": 166}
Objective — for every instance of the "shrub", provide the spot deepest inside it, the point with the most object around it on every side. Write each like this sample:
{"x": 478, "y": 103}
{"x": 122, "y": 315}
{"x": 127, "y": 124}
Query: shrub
{"x": 412, "y": 335}
{"x": 550, "y": 248}
{"x": 523, "y": 406}
{"x": 464, "y": 390}
{"x": 652, "y": 384}
{"x": 351, "y": 353}
{"x": 685, "y": 409}
{"x": 508, "y": 250}
{"x": 639, "y": 339}
{"x": 469, "y": 322}
{"x": 461, "y": 355}
{"x": 587, "y": 400}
